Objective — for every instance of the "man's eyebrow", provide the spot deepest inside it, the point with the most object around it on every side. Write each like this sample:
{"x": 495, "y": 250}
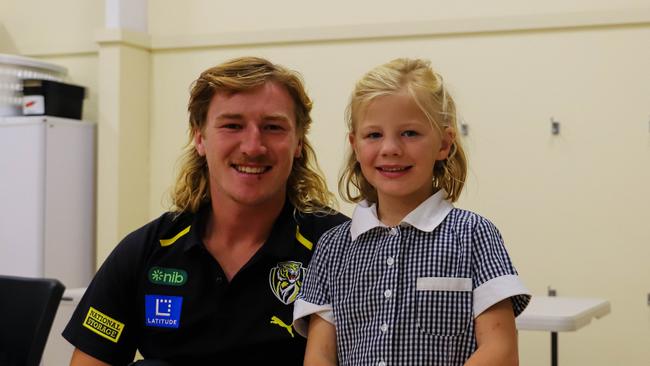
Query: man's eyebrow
{"x": 276, "y": 117}
{"x": 230, "y": 116}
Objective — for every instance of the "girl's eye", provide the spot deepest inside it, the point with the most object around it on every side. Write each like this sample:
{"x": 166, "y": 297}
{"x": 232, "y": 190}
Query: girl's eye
{"x": 373, "y": 135}
{"x": 410, "y": 133}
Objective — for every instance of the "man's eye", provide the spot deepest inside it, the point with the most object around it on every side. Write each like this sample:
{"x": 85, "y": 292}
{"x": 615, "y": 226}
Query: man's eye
{"x": 273, "y": 127}
{"x": 410, "y": 133}
{"x": 232, "y": 126}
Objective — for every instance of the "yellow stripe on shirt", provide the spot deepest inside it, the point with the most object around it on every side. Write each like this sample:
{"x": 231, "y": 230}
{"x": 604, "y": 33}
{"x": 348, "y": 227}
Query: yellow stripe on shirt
{"x": 167, "y": 242}
{"x": 302, "y": 240}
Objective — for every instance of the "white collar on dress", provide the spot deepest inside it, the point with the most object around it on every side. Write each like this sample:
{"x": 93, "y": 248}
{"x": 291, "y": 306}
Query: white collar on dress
{"x": 426, "y": 217}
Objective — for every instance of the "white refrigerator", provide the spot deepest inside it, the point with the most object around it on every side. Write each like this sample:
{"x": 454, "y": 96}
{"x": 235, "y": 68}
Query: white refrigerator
{"x": 47, "y": 198}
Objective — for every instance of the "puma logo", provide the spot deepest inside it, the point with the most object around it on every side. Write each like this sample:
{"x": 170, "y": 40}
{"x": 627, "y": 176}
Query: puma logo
{"x": 278, "y": 321}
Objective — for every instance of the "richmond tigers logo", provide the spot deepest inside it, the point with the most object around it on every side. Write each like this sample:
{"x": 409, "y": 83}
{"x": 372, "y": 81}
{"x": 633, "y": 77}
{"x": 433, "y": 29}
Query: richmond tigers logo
{"x": 286, "y": 279}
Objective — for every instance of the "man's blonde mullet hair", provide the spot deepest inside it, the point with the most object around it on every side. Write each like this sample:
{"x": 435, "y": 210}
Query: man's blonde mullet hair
{"x": 306, "y": 189}
{"x": 416, "y": 78}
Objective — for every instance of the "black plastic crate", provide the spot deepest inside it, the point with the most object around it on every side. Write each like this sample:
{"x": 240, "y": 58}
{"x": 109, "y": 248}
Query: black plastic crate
{"x": 58, "y": 99}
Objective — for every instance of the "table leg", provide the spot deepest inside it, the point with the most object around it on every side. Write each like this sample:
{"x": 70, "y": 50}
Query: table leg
{"x": 553, "y": 348}
{"x": 553, "y": 292}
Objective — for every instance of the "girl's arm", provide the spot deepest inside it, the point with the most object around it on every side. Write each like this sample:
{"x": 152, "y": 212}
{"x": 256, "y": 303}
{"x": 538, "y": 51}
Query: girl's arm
{"x": 79, "y": 358}
{"x": 496, "y": 336}
{"x": 321, "y": 342}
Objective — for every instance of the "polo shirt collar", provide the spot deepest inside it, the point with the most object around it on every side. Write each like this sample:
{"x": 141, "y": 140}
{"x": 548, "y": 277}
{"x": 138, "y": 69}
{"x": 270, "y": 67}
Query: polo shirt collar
{"x": 426, "y": 217}
{"x": 199, "y": 220}
{"x": 284, "y": 227}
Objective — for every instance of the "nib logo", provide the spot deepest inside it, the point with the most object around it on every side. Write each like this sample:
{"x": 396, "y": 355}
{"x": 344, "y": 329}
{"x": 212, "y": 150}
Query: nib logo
{"x": 167, "y": 276}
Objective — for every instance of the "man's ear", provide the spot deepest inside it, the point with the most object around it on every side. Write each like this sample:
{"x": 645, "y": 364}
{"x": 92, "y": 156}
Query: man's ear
{"x": 447, "y": 137}
{"x": 298, "y": 153}
{"x": 198, "y": 142}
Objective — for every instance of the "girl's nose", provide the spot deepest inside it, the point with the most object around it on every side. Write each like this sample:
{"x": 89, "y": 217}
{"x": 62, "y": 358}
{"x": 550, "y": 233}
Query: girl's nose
{"x": 252, "y": 143}
{"x": 391, "y": 147}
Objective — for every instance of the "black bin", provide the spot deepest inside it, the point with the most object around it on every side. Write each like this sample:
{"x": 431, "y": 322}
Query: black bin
{"x": 58, "y": 99}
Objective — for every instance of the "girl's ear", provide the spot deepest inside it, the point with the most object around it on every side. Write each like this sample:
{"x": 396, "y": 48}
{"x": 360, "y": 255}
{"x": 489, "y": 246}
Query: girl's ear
{"x": 447, "y": 138}
{"x": 353, "y": 143}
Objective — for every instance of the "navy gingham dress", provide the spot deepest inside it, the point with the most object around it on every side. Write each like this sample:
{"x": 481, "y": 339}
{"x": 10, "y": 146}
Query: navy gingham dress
{"x": 404, "y": 296}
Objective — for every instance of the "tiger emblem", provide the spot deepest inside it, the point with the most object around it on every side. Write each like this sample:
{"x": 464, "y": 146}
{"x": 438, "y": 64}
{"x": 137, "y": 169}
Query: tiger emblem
{"x": 286, "y": 279}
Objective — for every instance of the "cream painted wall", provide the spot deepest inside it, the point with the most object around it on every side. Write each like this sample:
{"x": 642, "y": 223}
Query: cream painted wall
{"x": 37, "y": 27}
{"x": 172, "y": 18}
{"x": 571, "y": 207}
{"x": 123, "y": 143}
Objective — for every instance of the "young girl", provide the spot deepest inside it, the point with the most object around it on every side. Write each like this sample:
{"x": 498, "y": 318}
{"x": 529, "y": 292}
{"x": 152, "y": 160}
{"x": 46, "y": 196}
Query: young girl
{"x": 411, "y": 280}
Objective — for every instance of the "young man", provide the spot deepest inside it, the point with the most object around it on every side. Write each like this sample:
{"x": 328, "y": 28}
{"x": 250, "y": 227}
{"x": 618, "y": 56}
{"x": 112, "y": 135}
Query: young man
{"x": 215, "y": 279}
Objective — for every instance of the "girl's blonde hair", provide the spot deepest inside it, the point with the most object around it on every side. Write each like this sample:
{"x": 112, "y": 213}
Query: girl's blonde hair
{"x": 306, "y": 187}
{"x": 417, "y": 78}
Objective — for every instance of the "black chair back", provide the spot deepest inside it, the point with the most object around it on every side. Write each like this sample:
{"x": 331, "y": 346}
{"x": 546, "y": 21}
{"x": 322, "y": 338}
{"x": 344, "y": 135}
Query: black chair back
{"x": 27, "y": 310}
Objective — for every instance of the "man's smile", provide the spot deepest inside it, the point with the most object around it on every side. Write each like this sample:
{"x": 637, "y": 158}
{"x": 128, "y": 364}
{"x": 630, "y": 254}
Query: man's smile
{"x": 248, "y": 169}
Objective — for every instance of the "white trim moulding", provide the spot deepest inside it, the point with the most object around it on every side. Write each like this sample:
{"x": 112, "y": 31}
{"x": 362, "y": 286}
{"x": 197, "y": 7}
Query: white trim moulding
{"x": 631, "y": 17}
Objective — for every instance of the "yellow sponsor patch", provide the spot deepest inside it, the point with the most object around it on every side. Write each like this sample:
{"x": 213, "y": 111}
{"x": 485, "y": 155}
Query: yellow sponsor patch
{"x": 103, "y": 325}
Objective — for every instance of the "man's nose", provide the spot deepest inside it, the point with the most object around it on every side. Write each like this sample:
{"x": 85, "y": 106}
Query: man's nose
{"x": 253, "y": 143}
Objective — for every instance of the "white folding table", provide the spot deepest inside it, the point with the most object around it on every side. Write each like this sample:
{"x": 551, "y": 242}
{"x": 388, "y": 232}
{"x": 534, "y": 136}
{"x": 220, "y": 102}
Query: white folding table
{"x": 560, "y": 314}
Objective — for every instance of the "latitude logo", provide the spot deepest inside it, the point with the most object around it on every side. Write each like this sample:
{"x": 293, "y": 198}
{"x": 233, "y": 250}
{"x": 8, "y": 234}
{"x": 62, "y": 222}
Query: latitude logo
{"x": 167, "y": 276}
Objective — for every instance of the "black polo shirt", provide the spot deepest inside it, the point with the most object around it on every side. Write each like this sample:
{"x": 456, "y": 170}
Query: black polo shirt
{"x": 161, "y": 292}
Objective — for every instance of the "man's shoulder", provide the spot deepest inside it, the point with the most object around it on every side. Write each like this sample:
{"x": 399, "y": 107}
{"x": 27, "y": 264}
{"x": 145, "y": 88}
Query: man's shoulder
{"x": 316, "y": 224}
{"x": 156, "y": 232}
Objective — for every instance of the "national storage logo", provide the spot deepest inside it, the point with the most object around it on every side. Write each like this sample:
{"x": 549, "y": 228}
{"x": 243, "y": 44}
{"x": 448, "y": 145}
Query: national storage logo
{"x": 167, "y": 276}
{"x": 103, "y": 325}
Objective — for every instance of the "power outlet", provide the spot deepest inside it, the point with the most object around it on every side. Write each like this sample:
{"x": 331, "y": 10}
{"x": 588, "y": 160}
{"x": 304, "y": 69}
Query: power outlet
{"x": 553, "y": 292}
